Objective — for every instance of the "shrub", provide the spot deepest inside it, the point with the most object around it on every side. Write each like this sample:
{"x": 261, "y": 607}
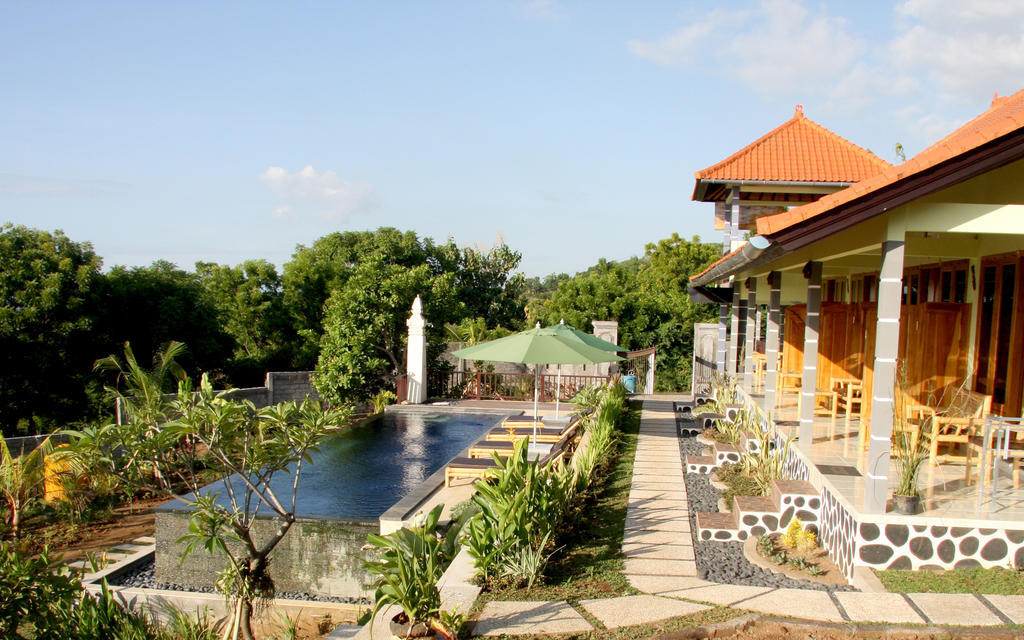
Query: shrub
{"x": 737, "y": 483}
{"x": 382, "y": 399}
{"x": 411, "y": 562}
{"x": 797, "y": 537}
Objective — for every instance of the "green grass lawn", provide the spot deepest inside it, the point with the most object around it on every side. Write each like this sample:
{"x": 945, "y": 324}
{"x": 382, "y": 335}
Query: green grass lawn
{"x": 588, "y": 563}
{"x": 995, "y": 581}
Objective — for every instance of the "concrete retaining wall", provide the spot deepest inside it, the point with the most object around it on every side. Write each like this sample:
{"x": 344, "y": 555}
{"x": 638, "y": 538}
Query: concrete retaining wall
{"x": 321, "y": 557}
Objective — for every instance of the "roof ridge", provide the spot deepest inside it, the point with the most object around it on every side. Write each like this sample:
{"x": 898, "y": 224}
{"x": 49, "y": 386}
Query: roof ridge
{"x": 859, "y": 153}
{"x": 753, "y": 145}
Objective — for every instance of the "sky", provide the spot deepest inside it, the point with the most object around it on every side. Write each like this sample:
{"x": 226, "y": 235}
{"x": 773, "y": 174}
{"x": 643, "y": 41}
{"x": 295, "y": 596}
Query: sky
{"x": 572, "y": 130}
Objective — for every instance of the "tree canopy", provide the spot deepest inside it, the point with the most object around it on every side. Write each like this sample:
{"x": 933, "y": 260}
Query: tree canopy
{"x": 48, "y": 303}
{"x": 338, "y": 305}
{"x": 647, "y": 296}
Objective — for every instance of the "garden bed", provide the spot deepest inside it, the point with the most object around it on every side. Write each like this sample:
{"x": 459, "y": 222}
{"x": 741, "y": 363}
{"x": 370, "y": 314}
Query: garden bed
{"x": 75, "y": 541}
{"x": 589, "y": 561}
{"x": 725, "y": 562}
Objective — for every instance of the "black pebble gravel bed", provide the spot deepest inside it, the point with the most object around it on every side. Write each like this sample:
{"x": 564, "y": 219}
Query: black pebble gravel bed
{"x": 724, "y": 562}
{"x": 142, "y": 577}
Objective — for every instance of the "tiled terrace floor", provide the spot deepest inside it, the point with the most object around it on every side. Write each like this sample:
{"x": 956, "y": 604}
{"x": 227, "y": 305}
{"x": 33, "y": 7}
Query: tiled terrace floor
{"x": 837, "y": 453}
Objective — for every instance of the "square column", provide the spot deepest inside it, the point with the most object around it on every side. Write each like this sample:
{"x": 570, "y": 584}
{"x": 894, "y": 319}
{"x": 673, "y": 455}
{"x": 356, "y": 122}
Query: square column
{"x": 734, "y": 229}
{"x": 734, "y": 335}
{"x": 887, "y": 342}
{"x": 723, "y": 339}
{"x": 771, "y": 342}
{"x": 748, "y": 364}
{"x": 812, "y": 271}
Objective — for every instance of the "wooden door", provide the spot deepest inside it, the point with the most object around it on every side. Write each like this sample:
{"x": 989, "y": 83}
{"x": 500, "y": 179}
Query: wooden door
{"x": 999, "y": 368}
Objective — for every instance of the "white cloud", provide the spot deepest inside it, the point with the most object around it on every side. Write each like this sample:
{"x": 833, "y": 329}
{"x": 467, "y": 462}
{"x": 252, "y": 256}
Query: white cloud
{"x": 336, "y": 197}
{"x": 938, "y": 63}
{"x": 778, "y": 46}
{"x": 965, "y": 48}
{"x": 546, "y": 10}
{"x": 683, "y": 45}
{"x": 283, "y": 212}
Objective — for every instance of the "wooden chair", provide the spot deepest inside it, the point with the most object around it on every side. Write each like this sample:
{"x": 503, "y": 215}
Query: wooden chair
{"x": 847, "y": 393}
{"x": 956, "y": 419}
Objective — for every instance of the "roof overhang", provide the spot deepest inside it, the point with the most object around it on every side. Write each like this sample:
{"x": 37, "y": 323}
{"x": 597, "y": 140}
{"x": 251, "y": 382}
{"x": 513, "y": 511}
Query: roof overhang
{"x": 714, "y": 295}
{"x": 700, "y": 189}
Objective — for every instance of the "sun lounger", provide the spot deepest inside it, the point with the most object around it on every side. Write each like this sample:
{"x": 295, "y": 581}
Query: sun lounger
{"x": 513, "y": 432}
{"x": 483, "y": 448}
{"x": 462, "y": 467}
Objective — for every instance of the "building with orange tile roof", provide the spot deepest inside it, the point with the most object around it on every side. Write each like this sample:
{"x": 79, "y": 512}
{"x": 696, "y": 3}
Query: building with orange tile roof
{"x": 896, "y": 316}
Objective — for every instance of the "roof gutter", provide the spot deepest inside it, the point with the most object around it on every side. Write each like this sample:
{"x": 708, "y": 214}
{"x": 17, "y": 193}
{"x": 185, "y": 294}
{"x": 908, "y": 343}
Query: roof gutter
{"x": 754, "y": 250}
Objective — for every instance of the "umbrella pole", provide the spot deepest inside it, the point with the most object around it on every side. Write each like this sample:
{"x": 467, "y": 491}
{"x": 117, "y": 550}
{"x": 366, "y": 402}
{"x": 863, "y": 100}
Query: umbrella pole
{"x": 558, "y": 390}
{"x": 536, "y": 376}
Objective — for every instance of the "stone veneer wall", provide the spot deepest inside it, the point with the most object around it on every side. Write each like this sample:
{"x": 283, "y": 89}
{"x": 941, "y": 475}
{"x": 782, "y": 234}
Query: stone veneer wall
{"x": 320, "y": 557}
{"x": 903, "y": 542}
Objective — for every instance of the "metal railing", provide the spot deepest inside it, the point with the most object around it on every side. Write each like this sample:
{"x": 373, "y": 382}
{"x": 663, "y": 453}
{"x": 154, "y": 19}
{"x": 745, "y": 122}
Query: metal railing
{"x": 485, "y": 385}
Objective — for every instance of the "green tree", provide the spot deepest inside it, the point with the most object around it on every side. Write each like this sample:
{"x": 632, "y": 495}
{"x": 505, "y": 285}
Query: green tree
{"x": 647, "y": 296}
{"x": 234, "y": 441}
{"x": 363, "y": 344}
{"x": 315, "y": 273}
{"x": 48, "y": 298}
{"x": 249, "y": 299}
{"x": 484, "y": 279}
{"x": 151, "y": 306}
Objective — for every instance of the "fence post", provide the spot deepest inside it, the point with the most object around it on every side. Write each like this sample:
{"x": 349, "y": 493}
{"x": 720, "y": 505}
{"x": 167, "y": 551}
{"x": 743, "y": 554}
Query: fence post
{"x": 477, "y": 384}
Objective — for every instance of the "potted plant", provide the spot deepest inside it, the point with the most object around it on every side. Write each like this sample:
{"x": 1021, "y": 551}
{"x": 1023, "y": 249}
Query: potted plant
{"x": 410, "y": 563}
{"x": 909, "y": 454}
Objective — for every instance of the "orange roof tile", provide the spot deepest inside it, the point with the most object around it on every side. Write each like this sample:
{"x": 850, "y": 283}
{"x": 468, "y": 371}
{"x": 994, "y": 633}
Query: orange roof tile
{"x": 1004, "y": 116}
{"x": 798, "y": 150}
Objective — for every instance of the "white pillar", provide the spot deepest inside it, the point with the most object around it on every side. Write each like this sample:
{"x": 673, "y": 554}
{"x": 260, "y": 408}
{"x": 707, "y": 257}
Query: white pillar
{"x": 887, "y": 344}
{"x": 748, "y": 364}
{"x": 722, "y": 345}
{"x": 606, "y": 330}
{"x": 416, "y": 369}
{"x": 771, "y": 343}
{"x": 734, "y": 333}
{"x": 810, "y": 373}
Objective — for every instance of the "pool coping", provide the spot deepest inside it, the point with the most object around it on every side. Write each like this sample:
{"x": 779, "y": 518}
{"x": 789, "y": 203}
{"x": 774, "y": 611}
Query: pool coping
{"x": 394, "y": 517}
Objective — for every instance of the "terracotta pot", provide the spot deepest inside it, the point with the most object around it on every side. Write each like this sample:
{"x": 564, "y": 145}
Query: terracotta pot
{"x": 907, "y": 505}
{"x": 400, "y": 628}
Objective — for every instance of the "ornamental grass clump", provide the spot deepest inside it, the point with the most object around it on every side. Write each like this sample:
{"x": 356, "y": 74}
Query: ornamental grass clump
{"x": 525, "y": 504}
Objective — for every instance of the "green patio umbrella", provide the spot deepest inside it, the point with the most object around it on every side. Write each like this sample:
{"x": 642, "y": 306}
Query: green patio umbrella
{"x": 563, "y": 329}
{"x": 537, "y": 346}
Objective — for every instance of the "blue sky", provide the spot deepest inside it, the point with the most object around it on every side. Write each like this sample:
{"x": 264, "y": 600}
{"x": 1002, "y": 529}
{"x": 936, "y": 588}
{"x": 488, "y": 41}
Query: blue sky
{"x": 186, "y": 131}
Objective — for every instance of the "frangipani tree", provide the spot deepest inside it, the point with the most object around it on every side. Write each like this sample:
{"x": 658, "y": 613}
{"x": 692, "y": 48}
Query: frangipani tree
{"x": 209, "y": 434}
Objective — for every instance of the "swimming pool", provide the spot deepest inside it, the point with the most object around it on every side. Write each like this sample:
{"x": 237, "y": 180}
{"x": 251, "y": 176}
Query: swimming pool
{"x": 361, "y": 471}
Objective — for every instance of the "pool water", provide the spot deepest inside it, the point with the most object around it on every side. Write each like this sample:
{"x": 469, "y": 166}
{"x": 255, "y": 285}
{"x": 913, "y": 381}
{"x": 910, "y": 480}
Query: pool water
{"x": 362, "y": 471}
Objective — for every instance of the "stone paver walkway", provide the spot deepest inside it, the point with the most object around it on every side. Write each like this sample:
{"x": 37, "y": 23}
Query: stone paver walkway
{"x": 659, "y": 561}
{"x": 657, "y": 540}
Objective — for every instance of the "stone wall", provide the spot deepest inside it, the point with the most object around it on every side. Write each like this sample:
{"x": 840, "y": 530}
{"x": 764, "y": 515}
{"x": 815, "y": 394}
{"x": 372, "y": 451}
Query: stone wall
{"x": 320, "y": 557}
{"x": 279, "y": 386}
{"x": 283, "y": 386}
